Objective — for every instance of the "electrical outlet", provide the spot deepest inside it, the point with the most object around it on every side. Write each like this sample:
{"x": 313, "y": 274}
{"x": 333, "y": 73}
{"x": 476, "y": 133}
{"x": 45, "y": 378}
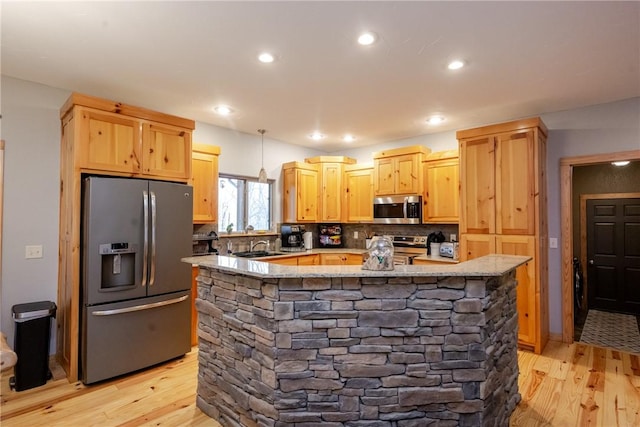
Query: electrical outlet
{"x": 355, "y": 234}
{"x": 453, "y": 238}
{"x": 33, "y": 251}
{"x": 553, "y": 242}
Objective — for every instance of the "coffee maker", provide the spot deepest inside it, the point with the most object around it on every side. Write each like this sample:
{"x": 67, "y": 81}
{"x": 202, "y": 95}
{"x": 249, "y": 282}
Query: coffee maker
{"x": 291, "y": 236}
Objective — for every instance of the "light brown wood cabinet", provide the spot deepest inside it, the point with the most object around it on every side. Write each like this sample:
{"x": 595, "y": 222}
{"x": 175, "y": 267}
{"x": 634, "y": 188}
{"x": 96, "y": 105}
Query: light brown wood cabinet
{"x": 503, "y": 210}
{"x": 358, "y": 193}
{"x": 204, "y": 179}
{"x": 116, "y": 143}
{"x": 330, "y": 180}
{"x": 441, "y": 188}
{"x": 100, "y": 136}
{"x": 302, "y": 259}
{"x": 340, "y": 259}
{"x": 398, "y": 171}
{"x": 300, "y": 192}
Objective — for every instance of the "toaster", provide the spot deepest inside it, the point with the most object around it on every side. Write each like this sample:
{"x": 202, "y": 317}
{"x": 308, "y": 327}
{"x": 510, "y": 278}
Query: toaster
{"x": 449, "y": 249}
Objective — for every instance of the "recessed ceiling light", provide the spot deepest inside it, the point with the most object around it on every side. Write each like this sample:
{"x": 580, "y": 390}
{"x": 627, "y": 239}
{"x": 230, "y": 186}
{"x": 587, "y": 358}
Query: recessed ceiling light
{"x": 316, "y": 136}
{"x": 223, "y": 110}
{"x": 367, "y": 38}
{"x": 348, "y": 138}
{"x": 435, "y": 120}
{"x": 455, "y": 65}
{"x": 620, "y": 163}
{"x": 266, "y": 57}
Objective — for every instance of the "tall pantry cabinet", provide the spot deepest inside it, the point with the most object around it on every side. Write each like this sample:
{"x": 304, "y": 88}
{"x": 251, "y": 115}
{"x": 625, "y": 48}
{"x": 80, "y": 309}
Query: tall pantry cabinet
{"x": 102, "y": 137}
{"x": 503, "y": 206}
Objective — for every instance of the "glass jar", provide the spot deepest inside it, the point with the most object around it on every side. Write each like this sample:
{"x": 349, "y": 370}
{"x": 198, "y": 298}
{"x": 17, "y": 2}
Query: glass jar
{"x": 380, "y": 254}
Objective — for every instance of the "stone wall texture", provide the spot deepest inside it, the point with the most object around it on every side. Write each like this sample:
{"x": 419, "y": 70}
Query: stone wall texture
{"x": 388, "y": 352}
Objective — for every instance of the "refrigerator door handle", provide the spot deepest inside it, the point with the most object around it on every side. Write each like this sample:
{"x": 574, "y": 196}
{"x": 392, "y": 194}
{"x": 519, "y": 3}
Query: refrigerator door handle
{"x": 139, "y": 307}
{"x": 145, "y": 204}
{"x": 152, "y": 274}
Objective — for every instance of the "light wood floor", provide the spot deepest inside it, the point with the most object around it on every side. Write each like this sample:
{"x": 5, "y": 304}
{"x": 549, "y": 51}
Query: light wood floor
{"x": 568, "y": 385}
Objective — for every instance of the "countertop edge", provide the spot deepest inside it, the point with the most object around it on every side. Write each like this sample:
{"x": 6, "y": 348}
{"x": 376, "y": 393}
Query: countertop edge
{"x": 489, "y": 265}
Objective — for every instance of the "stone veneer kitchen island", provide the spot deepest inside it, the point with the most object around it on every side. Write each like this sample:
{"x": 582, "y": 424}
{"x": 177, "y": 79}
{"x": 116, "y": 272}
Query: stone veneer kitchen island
{"x": 341, "y": 346}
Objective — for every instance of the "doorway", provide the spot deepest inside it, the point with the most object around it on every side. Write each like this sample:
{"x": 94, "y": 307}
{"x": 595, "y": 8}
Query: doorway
{"x": 567, "y": 221}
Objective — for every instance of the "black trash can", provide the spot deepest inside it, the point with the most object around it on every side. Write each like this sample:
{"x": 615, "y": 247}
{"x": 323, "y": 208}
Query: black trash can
{"x": 31, "y": 343}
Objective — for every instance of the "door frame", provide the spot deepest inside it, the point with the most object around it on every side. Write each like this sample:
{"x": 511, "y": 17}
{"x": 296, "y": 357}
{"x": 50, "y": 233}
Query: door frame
{"x": 566, "y": 227}
{"x": 583, "y": 224}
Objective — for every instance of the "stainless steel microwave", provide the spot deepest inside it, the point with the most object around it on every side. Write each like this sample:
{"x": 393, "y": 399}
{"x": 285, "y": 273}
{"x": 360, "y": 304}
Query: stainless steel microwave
{"x": 397, "y": 210}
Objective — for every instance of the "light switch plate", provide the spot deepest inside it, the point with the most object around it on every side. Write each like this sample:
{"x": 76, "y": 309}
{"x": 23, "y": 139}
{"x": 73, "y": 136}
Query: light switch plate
{"x": 355, "y": 234}
{"x": 553, "y": 242}
{"x": 33, "y": 251}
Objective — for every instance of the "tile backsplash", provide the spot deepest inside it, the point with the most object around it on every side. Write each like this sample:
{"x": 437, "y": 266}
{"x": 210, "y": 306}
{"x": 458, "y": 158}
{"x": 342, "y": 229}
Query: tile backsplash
{"x": 241, "y": 242}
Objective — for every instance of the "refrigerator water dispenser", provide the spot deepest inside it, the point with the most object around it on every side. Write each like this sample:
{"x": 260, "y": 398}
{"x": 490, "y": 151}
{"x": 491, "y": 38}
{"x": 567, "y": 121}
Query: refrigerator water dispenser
{"x": 118, "y": 265}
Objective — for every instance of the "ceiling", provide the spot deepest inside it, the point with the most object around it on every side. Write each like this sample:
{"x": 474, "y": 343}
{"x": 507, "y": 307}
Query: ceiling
{"x": 183, "y": 58}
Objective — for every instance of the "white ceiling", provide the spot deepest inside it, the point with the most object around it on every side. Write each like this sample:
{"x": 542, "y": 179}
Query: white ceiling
{"x": 182, "y": 58}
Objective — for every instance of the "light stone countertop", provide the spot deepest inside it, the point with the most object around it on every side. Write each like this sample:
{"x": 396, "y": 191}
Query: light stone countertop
{"x": 489, "y": 265}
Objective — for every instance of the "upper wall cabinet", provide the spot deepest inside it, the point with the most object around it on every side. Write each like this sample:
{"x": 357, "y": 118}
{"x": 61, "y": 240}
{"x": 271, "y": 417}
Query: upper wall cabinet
{"x": 441, "y": 187}
{"x": 330, "y": 185}
{"x": 118, "y": 139}
{"x": 204, "y": 171}
{"x": 358, "y": 193}
{"x": 300, "y": 192}
{"x": 398, "y": 171}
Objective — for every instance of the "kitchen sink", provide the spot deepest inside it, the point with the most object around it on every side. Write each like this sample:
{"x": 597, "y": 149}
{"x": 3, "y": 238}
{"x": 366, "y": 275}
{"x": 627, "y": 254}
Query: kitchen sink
{"x": 254, "y": 254}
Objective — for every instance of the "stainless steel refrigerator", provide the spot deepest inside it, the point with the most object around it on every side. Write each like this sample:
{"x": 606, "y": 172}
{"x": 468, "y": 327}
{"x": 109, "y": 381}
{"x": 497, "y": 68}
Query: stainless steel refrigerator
{"x": 135, "y": 290}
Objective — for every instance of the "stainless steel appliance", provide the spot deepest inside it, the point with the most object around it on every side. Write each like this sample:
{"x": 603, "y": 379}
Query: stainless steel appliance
{"x": 135, "y": 290}
{"x": 406, "y": 248}
{"x": 397, "y": 210}
{"x": 292, "y": 237}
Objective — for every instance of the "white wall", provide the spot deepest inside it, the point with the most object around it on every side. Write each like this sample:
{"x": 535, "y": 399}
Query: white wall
{"x": 31, "y": 129}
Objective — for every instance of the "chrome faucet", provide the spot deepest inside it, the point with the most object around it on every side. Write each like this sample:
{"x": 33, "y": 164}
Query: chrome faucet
{"x": 259, "y": 242}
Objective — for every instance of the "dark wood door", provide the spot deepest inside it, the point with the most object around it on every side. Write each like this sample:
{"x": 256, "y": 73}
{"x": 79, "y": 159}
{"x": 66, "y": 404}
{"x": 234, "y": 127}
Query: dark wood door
{"x": 613, "y": 254}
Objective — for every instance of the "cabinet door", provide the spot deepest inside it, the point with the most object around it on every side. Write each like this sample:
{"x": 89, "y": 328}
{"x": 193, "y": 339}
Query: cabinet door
{"x": 526, "y": 277}
{"x": 307, "y": 195}
{"x": 166, "y": 151}
{"x": 331, "y": 259}
{"x": 384, "y": 176}
{"x": 442, "y": 194}
{"x": 284, "y": 261}
{"x": 477, "y": 185}
{"x": 204, "y": 170}
{"x": 352, "y": 259}
{"x": 308, "y": 260}
{"x": 407, "y": 170}
{"x": 476, "y": 245}
{"x": 359, "y": 195}
{"x": 515, "y": 183}
{"x": 108, "y": 142}
{"x": 331, "y": 192}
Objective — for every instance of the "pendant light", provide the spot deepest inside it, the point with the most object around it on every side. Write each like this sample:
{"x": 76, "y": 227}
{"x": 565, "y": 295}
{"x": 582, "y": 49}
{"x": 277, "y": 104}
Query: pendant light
{"x": 262, "y": 176}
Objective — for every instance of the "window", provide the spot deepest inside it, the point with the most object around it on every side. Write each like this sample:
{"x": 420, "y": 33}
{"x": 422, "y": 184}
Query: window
{"x": 244, "y": 202}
